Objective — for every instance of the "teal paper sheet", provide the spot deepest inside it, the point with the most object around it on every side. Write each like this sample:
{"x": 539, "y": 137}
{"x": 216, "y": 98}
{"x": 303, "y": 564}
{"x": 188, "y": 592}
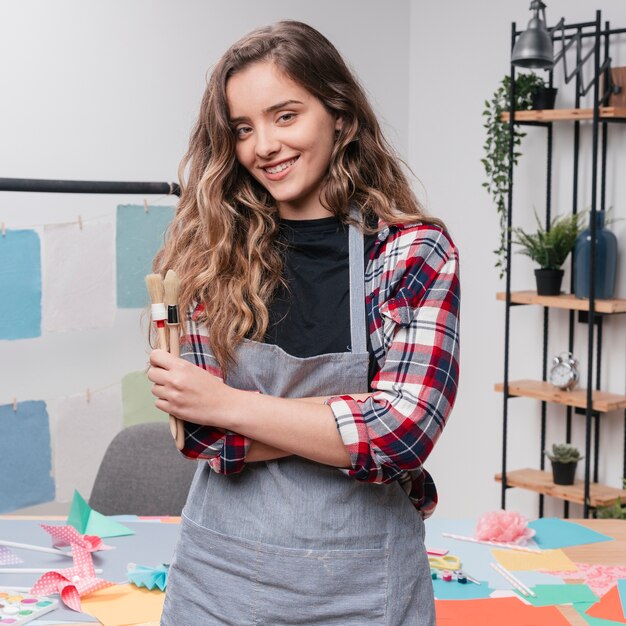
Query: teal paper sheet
{"x": 553, "y": 533}
{"x": 20, "y": 285}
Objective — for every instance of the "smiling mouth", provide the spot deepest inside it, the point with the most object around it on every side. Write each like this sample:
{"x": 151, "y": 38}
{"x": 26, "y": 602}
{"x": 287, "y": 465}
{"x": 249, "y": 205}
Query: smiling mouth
{"x": 281, "y": 167}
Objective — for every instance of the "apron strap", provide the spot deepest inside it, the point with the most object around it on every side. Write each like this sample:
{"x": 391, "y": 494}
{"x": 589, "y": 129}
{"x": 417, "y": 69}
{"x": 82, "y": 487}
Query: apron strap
{"x": 358, "y": 327}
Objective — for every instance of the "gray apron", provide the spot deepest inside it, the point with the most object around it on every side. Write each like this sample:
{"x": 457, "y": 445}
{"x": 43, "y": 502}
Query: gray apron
{"x": 291, "y": 541}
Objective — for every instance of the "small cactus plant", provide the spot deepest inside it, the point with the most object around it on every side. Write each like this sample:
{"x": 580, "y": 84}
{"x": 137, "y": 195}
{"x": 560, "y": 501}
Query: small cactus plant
{"x": 564, "y": 453}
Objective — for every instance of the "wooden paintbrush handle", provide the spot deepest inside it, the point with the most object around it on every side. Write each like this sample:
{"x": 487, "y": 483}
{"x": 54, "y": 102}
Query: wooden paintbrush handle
{"x": 161, "y": 338}
{"x": 177, "y": 427}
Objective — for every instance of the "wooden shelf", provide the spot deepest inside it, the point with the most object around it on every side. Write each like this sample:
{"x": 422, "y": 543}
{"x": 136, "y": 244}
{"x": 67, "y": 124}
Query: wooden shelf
{"x": 557, "y": 115}
{"x": 564, "y": 301}
{"x": 541, "y": 482}
{"x": 603, "y": 401}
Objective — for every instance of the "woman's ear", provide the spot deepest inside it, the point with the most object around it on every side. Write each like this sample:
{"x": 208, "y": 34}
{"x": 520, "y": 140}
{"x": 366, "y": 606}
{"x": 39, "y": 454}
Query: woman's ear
{"x": 339, "y": 124}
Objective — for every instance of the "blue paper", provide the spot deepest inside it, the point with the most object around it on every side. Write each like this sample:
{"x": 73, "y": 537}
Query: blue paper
{"x": 553, "y": 533}
{"x": 475, "y": 557}
{"x": 20, "y": 285}
{"x": 621, "y": 588}
{"x": 149, "y": 577}
{"x": 139, "y": 237}
{"x": 25, "y": 456}
{"x": 456, "y": 591}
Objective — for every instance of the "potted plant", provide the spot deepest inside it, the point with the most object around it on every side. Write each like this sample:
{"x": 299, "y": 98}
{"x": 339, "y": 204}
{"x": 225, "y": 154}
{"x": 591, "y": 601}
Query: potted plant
{"x": 549, "y": 247}
{"x": 564, "y": 458}
{"x": 496, "y": 147}
{"x": 616, "y": 511}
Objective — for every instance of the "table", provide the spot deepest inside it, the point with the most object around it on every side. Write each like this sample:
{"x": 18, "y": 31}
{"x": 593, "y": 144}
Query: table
{"x": 609, "y": 553}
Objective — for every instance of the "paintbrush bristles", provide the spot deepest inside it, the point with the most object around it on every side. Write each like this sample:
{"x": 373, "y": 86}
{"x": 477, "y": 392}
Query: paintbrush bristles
{"x": 154, "y": 283}
{"x": 171, "y": 286}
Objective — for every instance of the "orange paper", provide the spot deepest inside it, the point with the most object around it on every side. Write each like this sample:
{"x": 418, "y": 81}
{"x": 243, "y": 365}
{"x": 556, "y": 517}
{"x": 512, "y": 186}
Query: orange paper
{"x": 124, "y": 605}
{"x": 608, "y": 607}
{"x": 496, "y": 612}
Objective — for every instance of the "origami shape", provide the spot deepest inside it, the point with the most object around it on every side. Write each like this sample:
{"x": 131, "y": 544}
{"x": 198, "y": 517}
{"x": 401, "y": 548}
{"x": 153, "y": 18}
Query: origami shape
{"x": 71, "y": 583}
{"x": 148, "y": 577}
{"x": 87, "y": 521}
{"x": 8, "y": 557}
{"x": 69, "y": 536}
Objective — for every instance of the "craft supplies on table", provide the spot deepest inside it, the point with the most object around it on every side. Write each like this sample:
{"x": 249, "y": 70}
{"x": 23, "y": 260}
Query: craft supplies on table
{"x": 20, "y": 608}
{"x": 446, "y": 562}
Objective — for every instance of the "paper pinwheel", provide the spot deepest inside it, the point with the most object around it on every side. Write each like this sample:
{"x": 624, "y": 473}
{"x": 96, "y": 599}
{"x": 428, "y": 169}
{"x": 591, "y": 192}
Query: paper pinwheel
{"x": 69, "y": 536}
{"x": 149, "y": 577}
{"x": 8, "y": 557}
{"x": 71, "y": 583}
{"x": 87, "y": 521}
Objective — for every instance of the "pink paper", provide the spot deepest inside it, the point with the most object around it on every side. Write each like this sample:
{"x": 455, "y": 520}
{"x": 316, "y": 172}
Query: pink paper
{"x": 74, "y": 582}
{"x": 600, "y": 578}
{"x": 68, "y": 535}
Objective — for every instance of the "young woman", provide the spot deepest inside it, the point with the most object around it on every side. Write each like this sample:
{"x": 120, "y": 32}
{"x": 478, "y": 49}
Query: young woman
{"x": 323, "y": 315}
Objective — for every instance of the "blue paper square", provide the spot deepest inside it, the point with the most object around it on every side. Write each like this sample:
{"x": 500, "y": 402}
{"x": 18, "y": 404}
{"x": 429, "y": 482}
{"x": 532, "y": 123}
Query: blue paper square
{"x": 139, "y": 237}
{"x": 553, "y": 533}
{"x": 20, "y": 285}
{"x": 25, "y": 456}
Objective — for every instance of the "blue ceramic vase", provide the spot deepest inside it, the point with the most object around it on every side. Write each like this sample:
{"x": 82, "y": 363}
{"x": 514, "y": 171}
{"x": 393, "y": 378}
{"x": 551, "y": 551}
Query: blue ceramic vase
{"x": 606, "y": 261}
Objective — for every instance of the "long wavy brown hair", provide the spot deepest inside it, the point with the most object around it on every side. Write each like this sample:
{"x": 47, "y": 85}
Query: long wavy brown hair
{"x": 222, "y": 242}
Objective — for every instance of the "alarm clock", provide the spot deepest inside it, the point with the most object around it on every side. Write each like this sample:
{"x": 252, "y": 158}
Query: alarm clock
{"x": 564, "y": 371}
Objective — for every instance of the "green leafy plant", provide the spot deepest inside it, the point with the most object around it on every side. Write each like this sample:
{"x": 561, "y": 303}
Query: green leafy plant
{"x": 616, "y": 511}
{"x": 549, "y": 247}
{"x": 564, "y": 453}
{"x": 496, "y": 147}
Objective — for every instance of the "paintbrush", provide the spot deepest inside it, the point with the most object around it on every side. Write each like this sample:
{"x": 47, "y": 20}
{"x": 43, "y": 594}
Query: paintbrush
{"x": 154, "y": 283}
{"x": 171, "y": 285}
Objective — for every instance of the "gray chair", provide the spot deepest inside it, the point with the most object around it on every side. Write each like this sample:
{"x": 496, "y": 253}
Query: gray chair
{"x": 142, "y": 473}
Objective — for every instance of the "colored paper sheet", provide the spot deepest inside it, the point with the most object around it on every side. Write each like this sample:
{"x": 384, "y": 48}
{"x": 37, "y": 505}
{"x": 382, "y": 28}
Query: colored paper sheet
{"x": 138, "y": 401}
{"x": 457, "y": 591}
{"x": 582, "y": 608}
{"x": 139, "y": 237}
{"x": 74, "y": 421}
{"x": 89, "y": 522}
{"x": 8, "y": 557}
{"x": 496, "y": 612}
{"x": 609, "y": 607}
{"x": 475, "y": 556}
{"x": 123, "y": 605}
{"x": 600, "y": 578}
{"x": 25, "y": 456}
{"x": 621, "y": 588}
{"x": 515, "y": 560}
{"x": 554, "y": 533}
{"x": 548, "y": 595}
{"x": 20, "y": 285}
{"x": 79, "y": 285}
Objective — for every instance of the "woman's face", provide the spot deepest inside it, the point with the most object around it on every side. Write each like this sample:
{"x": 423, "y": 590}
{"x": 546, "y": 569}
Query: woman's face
{"x": 284, "y": 137}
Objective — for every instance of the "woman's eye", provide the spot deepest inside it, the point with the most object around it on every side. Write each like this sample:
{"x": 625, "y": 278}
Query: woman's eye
{"x": 286, "y": 117}
{"x": 242, "y": 131}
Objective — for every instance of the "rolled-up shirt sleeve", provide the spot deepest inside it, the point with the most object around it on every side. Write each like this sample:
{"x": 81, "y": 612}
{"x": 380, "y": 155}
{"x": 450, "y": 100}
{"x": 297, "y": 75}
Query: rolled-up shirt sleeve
{"x": 395, "y": 429}
{"x": 225, "y": 451}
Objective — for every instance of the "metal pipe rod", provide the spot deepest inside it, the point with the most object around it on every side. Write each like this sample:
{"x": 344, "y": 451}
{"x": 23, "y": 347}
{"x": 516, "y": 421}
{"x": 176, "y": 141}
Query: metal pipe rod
{"x": 88, "y": 186}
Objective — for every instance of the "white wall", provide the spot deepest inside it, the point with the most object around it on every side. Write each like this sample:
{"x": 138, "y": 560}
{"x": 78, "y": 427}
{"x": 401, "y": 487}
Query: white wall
{"x": 459, "y": 53}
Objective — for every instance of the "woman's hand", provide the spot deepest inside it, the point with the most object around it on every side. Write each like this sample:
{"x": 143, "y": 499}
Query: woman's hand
{"x": 185, "y": 390}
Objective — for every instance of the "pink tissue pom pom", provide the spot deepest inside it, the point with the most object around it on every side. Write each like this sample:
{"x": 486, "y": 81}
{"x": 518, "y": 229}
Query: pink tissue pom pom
{"x": 503, "y": 526}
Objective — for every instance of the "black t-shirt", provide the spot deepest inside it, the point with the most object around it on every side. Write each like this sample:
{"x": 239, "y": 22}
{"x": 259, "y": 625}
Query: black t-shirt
{"x": 312, "y": 316}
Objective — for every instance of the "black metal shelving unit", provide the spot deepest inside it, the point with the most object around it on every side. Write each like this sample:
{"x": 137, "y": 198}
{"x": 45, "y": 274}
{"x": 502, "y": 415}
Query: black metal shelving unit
{"x": 599, "y": 59}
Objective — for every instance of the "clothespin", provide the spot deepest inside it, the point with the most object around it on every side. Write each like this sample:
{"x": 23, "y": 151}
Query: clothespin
{"x": 146, "y": 208}
{"x": 80, "y": 222}
{"x": 88, "y": 395}
{"x": 3, "y": 227}
{"x": 15, "y": 405}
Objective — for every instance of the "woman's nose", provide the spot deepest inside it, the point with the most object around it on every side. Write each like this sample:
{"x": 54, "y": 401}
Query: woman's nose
{"x": 267, "y": 143}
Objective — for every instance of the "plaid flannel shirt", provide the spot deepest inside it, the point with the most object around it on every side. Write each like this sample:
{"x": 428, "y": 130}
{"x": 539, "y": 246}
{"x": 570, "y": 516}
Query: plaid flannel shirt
{"x": 412, "y": 303}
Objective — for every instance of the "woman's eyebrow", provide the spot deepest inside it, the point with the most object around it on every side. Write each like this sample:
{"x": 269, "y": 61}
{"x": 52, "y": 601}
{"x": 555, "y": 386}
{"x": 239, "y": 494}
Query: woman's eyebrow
{"x": 270, "y": 109}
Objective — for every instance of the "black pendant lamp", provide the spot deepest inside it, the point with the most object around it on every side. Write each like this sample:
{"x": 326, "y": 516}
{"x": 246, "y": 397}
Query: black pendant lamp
{"x": 533, "y": 48}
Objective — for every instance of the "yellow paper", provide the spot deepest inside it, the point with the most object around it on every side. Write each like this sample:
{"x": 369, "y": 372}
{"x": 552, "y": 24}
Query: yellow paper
{"x": 516, "y": 560}
{"x": 124, "y": 605}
